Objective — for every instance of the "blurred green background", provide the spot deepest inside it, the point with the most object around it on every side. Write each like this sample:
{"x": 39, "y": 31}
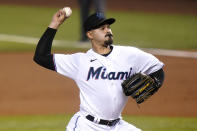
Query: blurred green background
{"x": 147, "y": 30}
{"x": 59, "y": 122}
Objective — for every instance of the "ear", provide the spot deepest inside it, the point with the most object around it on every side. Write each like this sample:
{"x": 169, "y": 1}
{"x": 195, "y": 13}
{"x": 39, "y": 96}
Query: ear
{"x": 89, "y": 35}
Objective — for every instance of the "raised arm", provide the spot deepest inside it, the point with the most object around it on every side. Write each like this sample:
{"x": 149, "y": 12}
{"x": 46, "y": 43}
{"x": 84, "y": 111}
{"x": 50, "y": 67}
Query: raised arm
{"x": 43, "y": 55}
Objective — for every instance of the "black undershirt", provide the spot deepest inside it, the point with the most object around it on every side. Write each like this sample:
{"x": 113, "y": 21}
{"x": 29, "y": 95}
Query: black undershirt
{"x": 44, "y": 58}
{"x": 43, "y": 55}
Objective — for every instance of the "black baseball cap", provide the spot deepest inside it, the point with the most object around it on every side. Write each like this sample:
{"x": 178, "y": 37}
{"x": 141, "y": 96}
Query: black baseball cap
{"x": 96, "y": 20}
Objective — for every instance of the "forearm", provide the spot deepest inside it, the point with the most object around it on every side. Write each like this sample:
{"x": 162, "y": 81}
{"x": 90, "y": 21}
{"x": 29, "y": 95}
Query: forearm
{"x": 43, "y": 54}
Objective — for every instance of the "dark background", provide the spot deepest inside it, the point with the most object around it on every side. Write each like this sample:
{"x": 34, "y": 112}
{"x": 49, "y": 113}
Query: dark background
{"x": 161, "y": 6}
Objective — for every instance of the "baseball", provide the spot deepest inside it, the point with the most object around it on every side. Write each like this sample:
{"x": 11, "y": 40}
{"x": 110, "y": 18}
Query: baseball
{"x": 68, "y": 11}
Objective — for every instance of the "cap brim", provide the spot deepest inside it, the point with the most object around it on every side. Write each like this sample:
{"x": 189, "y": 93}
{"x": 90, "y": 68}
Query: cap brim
{"x": 103, "y": 22}
{"x": 107, "y": 21}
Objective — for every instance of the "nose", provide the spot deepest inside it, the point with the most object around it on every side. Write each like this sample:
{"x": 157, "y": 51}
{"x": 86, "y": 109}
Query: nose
{"x": 108, "y": 31}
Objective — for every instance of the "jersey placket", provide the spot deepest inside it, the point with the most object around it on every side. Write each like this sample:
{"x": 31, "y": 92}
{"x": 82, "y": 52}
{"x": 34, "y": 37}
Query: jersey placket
{"x": 108, "y": 64}
{"x": 111, "y": 83}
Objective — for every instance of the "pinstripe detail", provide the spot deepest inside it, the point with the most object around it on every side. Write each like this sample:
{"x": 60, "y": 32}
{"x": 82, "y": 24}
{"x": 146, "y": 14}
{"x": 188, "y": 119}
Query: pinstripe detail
{"x": 76, "y": 123}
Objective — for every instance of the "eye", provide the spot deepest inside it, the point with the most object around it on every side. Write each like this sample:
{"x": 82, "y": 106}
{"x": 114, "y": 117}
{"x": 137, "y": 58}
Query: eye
{"x": 102, "y": 28}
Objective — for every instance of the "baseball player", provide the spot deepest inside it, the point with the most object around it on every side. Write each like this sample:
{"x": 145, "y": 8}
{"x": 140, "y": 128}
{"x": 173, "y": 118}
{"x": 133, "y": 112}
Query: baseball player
{"x": 98, "y": 73}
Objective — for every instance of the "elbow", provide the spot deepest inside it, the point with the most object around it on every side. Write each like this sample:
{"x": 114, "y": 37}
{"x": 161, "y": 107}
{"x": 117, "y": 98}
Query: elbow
{"x": 36, "y": 59}
{"x": 158, "y": 77}
{"x": 44, "y": 61}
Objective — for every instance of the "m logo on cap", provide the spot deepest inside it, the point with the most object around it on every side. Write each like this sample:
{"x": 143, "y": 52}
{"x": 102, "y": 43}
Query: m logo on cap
{"x": 100, "y": 15}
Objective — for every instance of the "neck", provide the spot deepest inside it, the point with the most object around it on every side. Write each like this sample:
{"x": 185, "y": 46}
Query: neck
{"x": 100, "y": 49}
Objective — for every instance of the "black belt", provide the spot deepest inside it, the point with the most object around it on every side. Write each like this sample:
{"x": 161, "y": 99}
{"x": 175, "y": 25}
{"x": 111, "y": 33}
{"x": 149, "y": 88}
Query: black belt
{"x": 103, "y": 122}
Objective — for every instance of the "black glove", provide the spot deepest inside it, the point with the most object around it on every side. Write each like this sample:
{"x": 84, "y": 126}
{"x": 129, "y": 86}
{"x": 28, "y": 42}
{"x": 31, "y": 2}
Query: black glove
{"x": 140, "y": 87}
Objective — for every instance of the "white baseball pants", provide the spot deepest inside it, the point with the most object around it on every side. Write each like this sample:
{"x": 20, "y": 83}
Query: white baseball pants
{"x": 80, "y": 123}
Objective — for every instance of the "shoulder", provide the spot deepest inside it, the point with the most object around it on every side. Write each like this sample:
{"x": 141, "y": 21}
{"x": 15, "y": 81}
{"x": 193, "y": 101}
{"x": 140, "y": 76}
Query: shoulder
{"x": 125, "y": 47}
{"x": 78, "y": 54}
{"x": 128, "y": 49}
{"x": 69, "y": 57}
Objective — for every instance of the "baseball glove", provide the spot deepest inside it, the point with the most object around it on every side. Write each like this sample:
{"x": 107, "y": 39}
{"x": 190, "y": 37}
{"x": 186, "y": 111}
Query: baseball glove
{"x": 140, "y": 87}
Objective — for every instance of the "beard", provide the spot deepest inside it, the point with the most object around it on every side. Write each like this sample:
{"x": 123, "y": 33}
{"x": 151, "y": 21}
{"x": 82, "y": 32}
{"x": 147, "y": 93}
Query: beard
{"x": 109, "y": 41}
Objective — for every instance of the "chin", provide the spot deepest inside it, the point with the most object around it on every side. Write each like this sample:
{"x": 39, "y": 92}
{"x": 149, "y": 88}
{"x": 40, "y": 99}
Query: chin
{"x": 108, "y": 42}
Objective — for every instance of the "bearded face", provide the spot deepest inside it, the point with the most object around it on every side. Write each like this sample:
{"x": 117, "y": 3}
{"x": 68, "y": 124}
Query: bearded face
{"x": 102, "y": 35}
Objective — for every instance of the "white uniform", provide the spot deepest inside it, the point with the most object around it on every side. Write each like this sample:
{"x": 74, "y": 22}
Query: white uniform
{"x": 99, "y": 80}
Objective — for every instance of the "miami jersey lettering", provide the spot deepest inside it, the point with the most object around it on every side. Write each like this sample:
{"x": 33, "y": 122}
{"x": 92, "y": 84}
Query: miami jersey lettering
{"x": 100, "y": 73}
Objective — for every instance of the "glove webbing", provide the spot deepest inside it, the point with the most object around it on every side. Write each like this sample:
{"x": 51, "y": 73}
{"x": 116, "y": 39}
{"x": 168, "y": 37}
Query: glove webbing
{"x": 136, "y": 79}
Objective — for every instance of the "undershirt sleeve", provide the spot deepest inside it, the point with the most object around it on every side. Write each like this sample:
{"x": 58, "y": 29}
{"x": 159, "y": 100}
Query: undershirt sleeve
{"x": 158, "y": 77}
{"x": 43, "y": 55}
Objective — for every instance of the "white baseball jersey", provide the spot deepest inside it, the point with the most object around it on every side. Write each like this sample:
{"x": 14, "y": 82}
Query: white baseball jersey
{"x": 99, "y": 77}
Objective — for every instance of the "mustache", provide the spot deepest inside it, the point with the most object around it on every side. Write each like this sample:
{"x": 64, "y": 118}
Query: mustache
{"x": 109, "y": 34}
